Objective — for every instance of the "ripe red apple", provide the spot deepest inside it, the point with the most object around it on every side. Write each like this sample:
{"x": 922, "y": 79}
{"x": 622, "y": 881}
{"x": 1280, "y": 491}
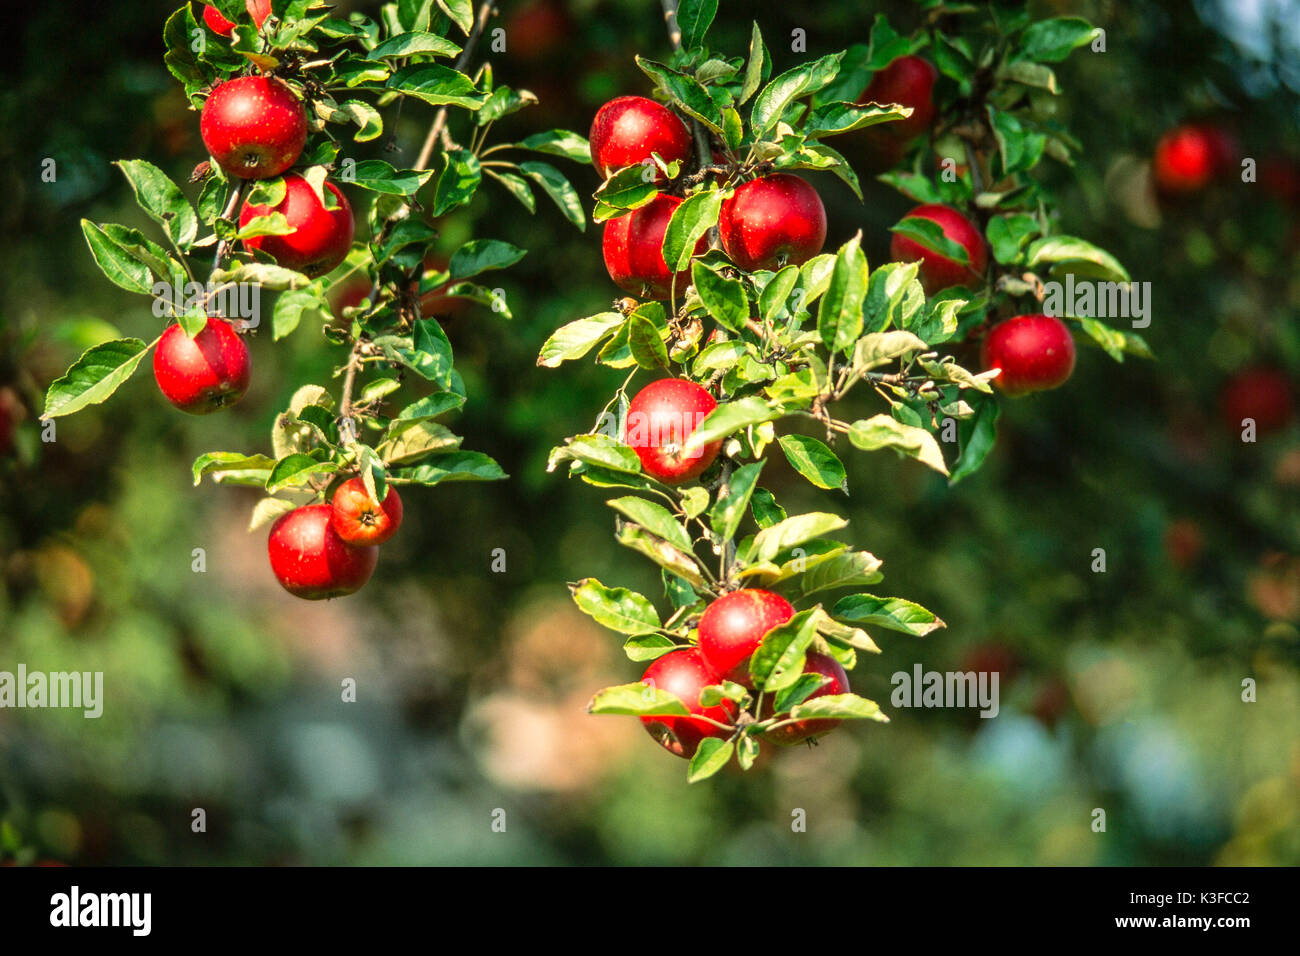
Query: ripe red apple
{"x": 801, "y": 730}
{"x": 202, "y": 374}
{"x": 322, "y": 237}
{"x": 660, "y": 419}
{"x": 772, "y": 222}
{"x": 684, "y": 674}
{"x": 937, "y": 271}
{"x": 1035, "y": 353}
{"x": 259, "y": 10}
{"x": 633, "y": 250}
{"x": 628, "y": 129}
{"x": 1188, "y": 157}
{"x": 436, "y": 301}
{"x": 311, "y": 561}
{"x": 1261, "y": 393}
{"x": 907, "y": 81}
{"x": 254, "y": 126}
{"x": 733, "y": 626}
{"x": 358, "y": 520}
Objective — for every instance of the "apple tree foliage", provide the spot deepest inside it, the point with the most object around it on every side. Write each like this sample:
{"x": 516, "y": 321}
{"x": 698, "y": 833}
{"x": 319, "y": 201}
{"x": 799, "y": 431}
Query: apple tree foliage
{"x": 396, "y": 364}
{"x": 784, "y": 347}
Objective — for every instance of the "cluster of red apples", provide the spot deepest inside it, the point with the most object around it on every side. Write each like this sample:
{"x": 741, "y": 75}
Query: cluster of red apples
{"x": 778, "y": 219}
{"x": 255, "y": 128}
{"x": 730, "y": 631}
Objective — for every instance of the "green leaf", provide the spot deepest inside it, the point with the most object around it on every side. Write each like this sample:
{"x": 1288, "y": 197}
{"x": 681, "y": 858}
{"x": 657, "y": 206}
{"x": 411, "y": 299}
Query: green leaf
{"x": 412, "y": 44}
{"x": 729, "y": 417}
{"x": 724, "y": 298}
{"x": 559, "y": 189}
{"x": 756, "y": 66}
{"x": 791, "y": 532}
{"x": 1077, "y": 256}
{"x": 839, "y": 317}
{"x": 773, "y": 299}
{"x": 268, "y": 510}
{"x": 851, "y": 570}
{"x": 882, "y": 431}
{"x": 646, "y": 342}
{"x": 481, "y": 255}
{"x": 636, "y": 700}
{"x": 831, "y": 119}
{"x": 976, "y": 436}
{"x": 455, "y": 466}
{"x": 559, "y": 142}
{"x": 686, "y": 92}
{"x": 599, "y": 450}
{"x": 576, "y": 339}
{"x": 290, "y": 308}
{"x": 930, "y": 235}
{"x": 117, "y": 254}
{"x": 437, "y": 85}
{"x": 461, "y": 13}
{"x": 765, "y": 509}
{"x": 618, "y": 609}
{"x": 779, "y": 660}
{"x": 692, "y": 218}
{"x": 842, "y": 706}
{"x": 1051, "y": 41}
{"x": 409, "y": 441}
{"x": 430, "y": 406}
{"x": 815, "y": 461}
{"x": 459, "y": 180}
{"x": 881, "y": 348}
{"x": 94, "y": 376}
{"x": 662, "y": 553}
{"x": 517, "y": 186}
{"x": 216, "y": 463}
{"x": 1007, "y": 235}
{"x": 727, "y": 512}
{"x": 653, "y": 517}
{"x": 379, "y": 177}
{"x": 1115, "y": 342}
{"x": 295, "y": 471}
{"x": 162, "y": 199}
{"x": 711, "y": 757}
{"x": 893, "y": 613}
{"x": 694, "y": 18}
{"x": 804, "y": 79}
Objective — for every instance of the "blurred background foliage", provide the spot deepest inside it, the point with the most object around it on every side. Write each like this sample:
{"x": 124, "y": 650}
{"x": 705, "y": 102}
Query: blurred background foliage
{"x": 1120, "y": 690}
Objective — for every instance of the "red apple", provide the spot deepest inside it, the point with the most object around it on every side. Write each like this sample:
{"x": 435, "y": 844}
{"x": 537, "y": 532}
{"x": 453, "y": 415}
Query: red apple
{"x": 259, "y": 10}
{"x": 321, "y": 237}
{"x": 660, "y": 419}
{"x": 1188, "y": 157}
{"x": 772, "y": 222}
{"x": 359, "y": 520}
{"x": 733, "y": 626}
{"x": 684, "y": 674}
{"x": 801, "y": 730}
{"x": 633, "y": 250}
{"x": 311, "y": 561}
{"x": 254, "y": 126}
{"x": 1034, "y": 352}
{"x": 1260, "y": 393}
{"x": 628, "y": 129}
{"x": 205, "y": 373}
{"x": 938, "y": 272}
{"x": 906, "y": 81}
